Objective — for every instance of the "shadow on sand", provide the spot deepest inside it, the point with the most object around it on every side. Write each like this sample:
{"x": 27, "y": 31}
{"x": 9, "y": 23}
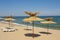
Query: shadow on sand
{"x": 45, "y": 33}
{"x": 30, "y": 35}
{"x": 28, "y": 29}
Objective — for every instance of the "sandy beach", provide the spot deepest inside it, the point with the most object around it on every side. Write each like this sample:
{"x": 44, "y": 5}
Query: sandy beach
{"x": 20, "y": 33}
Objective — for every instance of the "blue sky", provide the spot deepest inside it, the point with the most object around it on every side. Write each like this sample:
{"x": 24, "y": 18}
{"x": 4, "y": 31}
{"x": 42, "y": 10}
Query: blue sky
{"x": 17, "y": 7}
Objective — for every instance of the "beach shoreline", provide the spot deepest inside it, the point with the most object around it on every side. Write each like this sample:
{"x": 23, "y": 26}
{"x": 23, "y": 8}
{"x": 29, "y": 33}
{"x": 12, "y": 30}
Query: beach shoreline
{"x": 24, "y": 25}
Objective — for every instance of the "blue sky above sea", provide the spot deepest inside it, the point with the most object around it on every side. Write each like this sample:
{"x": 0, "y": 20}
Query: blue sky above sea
{"x": 17, "y": 7}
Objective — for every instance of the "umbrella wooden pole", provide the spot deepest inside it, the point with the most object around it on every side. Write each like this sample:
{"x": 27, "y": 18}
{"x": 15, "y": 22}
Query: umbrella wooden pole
{"x": 47, "y": 28}
{"x": 9, "y": 23}
{"x": 33, "y": 29}
{"x": 27, "y": 25}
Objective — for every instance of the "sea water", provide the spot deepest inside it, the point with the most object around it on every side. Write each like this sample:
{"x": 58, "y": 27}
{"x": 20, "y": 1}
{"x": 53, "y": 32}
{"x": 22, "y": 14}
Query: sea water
{"x": 19, "y": 20}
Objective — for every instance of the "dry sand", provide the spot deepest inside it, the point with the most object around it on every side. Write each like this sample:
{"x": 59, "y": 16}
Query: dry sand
{"x": 19, "y": 34}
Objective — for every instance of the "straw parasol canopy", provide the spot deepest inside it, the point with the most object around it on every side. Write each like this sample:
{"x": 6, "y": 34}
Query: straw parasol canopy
{"x": 30, "y": 19}
{"x": 8, "y": 18}
{"x": 35, "y": 19}
{"x": 48, "y": 21}
{"x": 31, "y": 14}
{"x": 26, "y": 20}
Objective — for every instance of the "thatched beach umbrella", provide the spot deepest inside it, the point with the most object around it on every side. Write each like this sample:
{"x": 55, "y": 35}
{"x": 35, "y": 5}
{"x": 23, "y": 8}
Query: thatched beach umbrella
{"x": 48, "y": 21}
{"x": 27, "y": 21}
{"x": 33, "y": 18}
{"x": 8, "y": 19}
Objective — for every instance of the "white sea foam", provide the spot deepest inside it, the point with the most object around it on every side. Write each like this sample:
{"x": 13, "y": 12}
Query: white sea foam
{"x": 22, "y": 25}
{"x": 18, "y": 24}
{"x": 4, "y": 21}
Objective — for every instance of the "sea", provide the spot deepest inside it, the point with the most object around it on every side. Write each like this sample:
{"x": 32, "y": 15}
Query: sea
{"x": 19, "y": 20}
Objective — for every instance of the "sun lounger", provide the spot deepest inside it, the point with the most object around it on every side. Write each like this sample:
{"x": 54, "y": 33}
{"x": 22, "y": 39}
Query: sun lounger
{"x": 8, "y": 29}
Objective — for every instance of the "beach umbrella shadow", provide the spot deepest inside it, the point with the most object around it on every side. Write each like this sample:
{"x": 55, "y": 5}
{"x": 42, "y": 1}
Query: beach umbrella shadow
{"x": 30, "y": 35}
{"x": 28, "y": 29}
{"x": 45, "y": 32}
